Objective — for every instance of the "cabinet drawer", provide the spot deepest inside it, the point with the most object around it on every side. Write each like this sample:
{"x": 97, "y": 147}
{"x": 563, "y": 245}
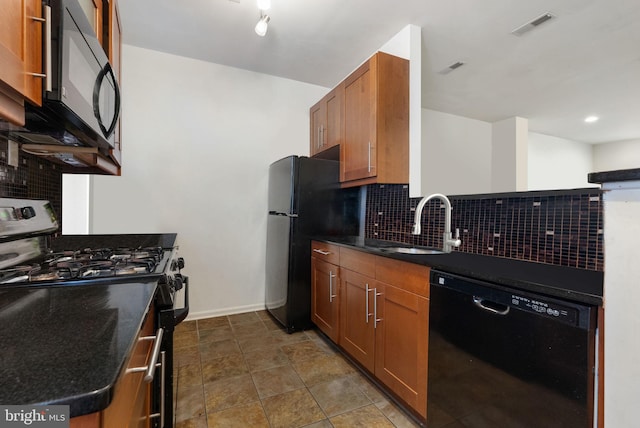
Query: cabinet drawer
{"x": 131, "y": 385}
{"x": 358, "y": 261}
{"x": 324, "y": 251}
{"x": 411, "y": 277}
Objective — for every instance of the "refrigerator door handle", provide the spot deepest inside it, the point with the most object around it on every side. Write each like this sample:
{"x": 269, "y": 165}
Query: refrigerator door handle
{"x": 283, "y": 214}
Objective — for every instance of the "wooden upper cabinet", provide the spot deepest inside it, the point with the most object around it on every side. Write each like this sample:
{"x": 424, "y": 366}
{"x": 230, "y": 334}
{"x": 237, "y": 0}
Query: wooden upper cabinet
{"x": 327, "y": 129}
{"x": 376, "y": 123}
{"x": 318, "y": 117}
{"x": 93, "y": 10}
{"x": 21, "y": 29}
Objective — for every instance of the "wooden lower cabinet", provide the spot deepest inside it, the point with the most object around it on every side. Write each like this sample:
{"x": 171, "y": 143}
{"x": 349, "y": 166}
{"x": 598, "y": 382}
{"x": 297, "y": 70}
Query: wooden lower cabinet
{"x": 384, "y": 321}
{"x": 357, "y": 329}
{"x": 401, "y": 345}
{"x": 131, "y": 404}
{"x": 325, "y": 301}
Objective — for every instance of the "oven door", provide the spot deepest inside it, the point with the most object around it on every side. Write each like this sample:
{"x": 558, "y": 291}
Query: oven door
{"x": 162, "y": 391}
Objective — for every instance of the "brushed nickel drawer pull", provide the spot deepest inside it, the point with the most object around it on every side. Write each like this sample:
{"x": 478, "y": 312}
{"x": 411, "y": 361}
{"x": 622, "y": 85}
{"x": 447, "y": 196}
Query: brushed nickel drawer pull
{"x": 47, "y": 48}
{"x": 150, "y": 369}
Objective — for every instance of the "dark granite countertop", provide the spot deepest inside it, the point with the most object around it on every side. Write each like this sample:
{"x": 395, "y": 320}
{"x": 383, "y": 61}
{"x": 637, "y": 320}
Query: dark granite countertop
{"x": 119, "y": 240}
{"x": 613, "y": 176}
{"x": 68, "y": 344}
{"x": 578, "y": 285}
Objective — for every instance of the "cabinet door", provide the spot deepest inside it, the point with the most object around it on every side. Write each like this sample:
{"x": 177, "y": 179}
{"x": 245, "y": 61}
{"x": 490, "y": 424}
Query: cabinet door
{"x": 93, "y": 10}
{"x": 20, "y": 56}
{"x": 325, "y": 297}
{"x": 334, "y": 102}
{"x": 359, "y": 149}
{"x": 318, "y": 117}
{"x": 402, "y": 337}
{"x": 357, "y": 334}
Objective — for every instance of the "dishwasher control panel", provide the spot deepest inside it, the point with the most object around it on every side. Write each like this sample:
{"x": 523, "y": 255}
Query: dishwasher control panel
{"x": 544, "y": 307}
{"x": 499, "y": 299}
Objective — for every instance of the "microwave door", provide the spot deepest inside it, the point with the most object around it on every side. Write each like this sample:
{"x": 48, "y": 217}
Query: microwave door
{"x": 85, "y": 70}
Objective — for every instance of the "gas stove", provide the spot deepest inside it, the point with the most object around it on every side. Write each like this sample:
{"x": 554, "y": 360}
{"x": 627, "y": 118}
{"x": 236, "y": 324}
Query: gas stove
{"x": 87, "y": 263}
{"x": 33, "y": 255}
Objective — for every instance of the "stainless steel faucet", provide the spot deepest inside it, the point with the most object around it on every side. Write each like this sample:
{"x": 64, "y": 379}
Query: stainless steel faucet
{"x": 447, "y": 242}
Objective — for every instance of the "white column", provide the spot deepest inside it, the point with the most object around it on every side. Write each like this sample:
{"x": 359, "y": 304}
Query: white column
{"x": 621, "y": 303}
{"x": 509, "y": 150}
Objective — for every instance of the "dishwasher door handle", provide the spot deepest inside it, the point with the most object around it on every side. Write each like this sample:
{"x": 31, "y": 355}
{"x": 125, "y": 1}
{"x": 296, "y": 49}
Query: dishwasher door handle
{"x": 480, "y": 302}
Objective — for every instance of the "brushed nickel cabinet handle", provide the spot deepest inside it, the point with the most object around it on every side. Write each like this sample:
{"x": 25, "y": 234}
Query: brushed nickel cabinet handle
{"x": 150, "y": 369}
{"x": 47, "y": 48}
{"x": 331, "y": 295}
{"x": 376, "y": 320}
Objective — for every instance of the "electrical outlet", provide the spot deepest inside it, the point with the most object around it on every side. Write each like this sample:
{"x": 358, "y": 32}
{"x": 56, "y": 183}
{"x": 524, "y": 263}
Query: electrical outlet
{"x": 13, "y": 150}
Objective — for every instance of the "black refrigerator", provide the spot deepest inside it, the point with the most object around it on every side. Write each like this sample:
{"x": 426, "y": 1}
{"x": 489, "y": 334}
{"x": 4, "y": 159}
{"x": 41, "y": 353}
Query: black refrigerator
{"x": 305, "y": 201}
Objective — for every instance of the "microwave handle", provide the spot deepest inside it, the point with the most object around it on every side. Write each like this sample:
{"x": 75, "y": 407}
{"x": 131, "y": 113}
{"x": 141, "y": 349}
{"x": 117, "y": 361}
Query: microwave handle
{"x": 107, "y": 70}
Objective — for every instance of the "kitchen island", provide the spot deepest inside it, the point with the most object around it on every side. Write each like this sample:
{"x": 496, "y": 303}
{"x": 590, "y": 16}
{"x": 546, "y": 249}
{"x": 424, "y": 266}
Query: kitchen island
{"x": 69, "y": 345}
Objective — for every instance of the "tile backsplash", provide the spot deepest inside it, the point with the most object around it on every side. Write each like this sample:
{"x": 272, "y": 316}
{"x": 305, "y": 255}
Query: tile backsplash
{"x": 561, "y": 228}
{"x": 34, "y": 178}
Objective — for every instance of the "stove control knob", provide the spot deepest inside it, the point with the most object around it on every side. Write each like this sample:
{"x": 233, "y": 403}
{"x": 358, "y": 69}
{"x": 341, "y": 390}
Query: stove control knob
{"x": 180, "y": 263}
{"x": 177, "y": 282}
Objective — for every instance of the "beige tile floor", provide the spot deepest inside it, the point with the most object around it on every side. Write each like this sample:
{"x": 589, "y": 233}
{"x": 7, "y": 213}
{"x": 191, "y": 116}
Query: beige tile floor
{"x": 244, "y": 371}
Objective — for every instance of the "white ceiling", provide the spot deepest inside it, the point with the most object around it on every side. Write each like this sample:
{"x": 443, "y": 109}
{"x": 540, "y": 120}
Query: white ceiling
{"x": 584, "y": 62}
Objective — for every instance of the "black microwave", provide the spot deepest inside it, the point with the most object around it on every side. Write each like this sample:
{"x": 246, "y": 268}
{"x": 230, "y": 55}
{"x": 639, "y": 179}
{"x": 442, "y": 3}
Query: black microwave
{"x": 81, "y": 98}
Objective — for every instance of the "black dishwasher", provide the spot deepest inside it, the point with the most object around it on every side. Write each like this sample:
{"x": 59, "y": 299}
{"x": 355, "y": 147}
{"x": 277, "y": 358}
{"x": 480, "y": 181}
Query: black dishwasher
{"x": 501, "y": 357}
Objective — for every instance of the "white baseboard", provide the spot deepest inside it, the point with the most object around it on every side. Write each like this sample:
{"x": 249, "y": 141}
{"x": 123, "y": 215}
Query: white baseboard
{"x": 226, "y": 311}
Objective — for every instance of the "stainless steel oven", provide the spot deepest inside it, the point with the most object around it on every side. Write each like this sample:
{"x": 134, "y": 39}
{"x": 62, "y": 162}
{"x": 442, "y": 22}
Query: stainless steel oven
{"x": 33, "y": 257}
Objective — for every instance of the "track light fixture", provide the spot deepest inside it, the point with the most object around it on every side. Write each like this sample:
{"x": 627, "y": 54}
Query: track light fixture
{"x": 262, "y": 25}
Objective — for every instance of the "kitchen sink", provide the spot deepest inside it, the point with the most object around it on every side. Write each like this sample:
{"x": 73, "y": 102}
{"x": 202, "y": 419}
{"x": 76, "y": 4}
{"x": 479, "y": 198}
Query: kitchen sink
{"x": 412, "y": 250}
{"x": 397, "y": 247}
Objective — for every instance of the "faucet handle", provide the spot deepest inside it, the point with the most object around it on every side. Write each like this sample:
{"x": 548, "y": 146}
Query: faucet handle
{"x": 456, "y": 241}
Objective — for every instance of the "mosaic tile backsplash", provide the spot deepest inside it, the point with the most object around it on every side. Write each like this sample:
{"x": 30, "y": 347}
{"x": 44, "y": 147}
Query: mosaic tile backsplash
{"x": 561, "y": 228}
{"x": 34, "y": 178}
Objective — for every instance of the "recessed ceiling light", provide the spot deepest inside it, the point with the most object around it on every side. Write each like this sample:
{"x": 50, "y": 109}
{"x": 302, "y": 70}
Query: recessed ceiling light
{"x": 591, "y": 119}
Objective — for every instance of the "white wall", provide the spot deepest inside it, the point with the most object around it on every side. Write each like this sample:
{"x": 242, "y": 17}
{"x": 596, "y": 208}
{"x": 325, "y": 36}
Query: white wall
{"x": 558, "y": 163}
{"x": 456, "y": 154}
{"x": 197, "y": 142}
{"x": 75, "y": 204}
{"x": 616, "y": 155}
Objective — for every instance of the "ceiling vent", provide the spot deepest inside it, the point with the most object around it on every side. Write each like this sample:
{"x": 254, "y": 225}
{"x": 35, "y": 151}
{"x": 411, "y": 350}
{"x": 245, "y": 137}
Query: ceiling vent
{"x": 452, "y": 67}
{"x": 525, "y": 28}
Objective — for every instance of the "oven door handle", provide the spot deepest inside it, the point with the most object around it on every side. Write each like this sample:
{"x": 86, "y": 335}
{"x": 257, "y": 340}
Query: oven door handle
{"x": 180, "y": 314}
